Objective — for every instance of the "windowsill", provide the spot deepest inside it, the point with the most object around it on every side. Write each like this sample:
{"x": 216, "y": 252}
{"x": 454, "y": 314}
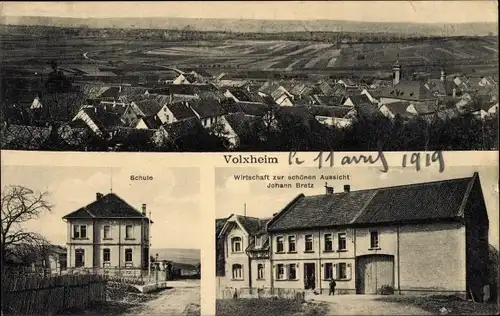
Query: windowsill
{"x": 236, "y": 251}
{"x": 309, "y": 251}
{"x": 129, "y": 238}
{"x": 328, "y": 251}
{"x": 80, "y": 238}
{"x": 292, "y": 252}
{"x": 107, "y": 239}
{"x": 261, "y": 279}
{"x": 375, "y": 248}
{"x": 342, "y": 250}
{"x": 287, "y": 279}
{"x": 338, "y": 280}
{"x": 280, "y": 252}
{"x": 237, "y": 280}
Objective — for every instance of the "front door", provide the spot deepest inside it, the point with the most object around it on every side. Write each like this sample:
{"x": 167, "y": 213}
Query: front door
{"x": 309, "y": 276}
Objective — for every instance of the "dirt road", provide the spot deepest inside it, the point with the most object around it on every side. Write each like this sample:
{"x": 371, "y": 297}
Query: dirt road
{"x": 364, "y": 305}
{"x": 172, "y": 301}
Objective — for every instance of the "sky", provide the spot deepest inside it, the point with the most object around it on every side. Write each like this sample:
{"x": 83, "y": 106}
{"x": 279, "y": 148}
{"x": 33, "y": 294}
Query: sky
{"x": 369, "y": 11}
{"x": 173, "y": 197}
{"x": 232, "y": 195}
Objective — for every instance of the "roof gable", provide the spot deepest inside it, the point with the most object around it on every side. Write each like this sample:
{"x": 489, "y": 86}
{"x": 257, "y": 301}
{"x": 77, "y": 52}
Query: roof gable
{"x": 428, "y": 201}
{"x": 109, "y": 206}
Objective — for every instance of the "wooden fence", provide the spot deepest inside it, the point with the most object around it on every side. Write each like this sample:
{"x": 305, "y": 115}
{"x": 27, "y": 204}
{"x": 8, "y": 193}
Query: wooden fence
{"x": 230, "y": 293}
{"x": 38, "y": 295}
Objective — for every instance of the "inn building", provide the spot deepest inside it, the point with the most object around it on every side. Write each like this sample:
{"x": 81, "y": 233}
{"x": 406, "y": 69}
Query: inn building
{"x": 108, "y": 233}
{"x": 419, "y": 238}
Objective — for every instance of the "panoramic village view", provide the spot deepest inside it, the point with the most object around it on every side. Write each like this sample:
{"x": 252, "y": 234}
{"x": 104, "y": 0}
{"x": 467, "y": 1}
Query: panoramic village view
{"x": 187, "y": 85}
{"x": 71, "y": 245}
{"x": 413, "y": 245}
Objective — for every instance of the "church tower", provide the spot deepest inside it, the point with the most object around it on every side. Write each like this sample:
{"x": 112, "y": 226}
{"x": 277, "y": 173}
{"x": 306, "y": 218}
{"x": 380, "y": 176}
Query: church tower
{"x": 396, "y": 73}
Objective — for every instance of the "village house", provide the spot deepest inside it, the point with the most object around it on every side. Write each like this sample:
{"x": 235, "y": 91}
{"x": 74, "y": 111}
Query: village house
{"x": 208, "y": 111}
{"x": 108, "y": 233}
{"x": 100, "y": 121}
{"x": 356, "y": 100}
{"x": 245, "y": 245}
{"x": 338, "y": 116}
{"x": 236, "y": 126}
{"x": 409, "y": 238}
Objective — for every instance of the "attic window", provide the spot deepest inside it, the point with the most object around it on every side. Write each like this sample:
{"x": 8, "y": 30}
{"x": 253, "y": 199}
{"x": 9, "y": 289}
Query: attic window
{"x": 258, "y": 241}
{"x": 392, "y": 92}
{"x": 411, "y": 93}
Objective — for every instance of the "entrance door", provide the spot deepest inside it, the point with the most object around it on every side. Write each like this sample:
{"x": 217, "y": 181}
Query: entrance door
{"x": 309, "y": 276}
{"x": 374, "y": 271}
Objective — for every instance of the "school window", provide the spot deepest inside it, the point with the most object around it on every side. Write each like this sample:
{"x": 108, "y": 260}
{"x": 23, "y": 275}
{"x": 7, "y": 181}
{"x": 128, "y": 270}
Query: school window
{"x": 107, "y": 232}
{"x": 128, "y": 232}
{"x": 309, "y": 243}
{"x": 106, "y": 255}
{"x": 291, "y": 243}
{"x": 342, "y": 270}
{"x": 79, "y": 258}
{"x": 128, "y": 255}
{"x": 237, "y": 272}
{"x": 342, "y": 241}
{"x": 280, "y": 271}
{"x": 79, "y": 231}
{"x": 328, "y": 271}
{"x": 236, "y": 244}
{"x": 328, "y": 242}
{"x": 279, "y": 244}
{"x": 373, "y": 240}
{"x": 292, "y": 272}
{"x": 260, "y": 271}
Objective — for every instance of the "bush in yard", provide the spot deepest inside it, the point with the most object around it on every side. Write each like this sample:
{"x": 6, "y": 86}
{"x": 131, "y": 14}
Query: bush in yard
{"x": 386, "y": 290}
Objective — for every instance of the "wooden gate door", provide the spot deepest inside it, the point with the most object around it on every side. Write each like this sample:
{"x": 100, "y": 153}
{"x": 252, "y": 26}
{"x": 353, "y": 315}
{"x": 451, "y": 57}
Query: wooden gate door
{"x": 374, "y": 271}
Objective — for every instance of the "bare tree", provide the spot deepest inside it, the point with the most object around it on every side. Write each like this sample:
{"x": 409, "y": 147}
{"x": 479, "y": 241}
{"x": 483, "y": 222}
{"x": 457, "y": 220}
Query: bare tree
{"x": 20, "y": 205}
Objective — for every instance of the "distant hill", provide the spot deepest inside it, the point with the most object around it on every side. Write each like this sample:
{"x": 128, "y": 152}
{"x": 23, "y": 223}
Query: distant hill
{"x": 184, "y": 256}
{"x": 260, "y": 26}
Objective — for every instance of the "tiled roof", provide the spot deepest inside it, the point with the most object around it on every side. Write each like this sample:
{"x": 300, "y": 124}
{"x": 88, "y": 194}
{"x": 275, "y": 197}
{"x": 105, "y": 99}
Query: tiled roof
{"x": 207, "y": 108}
{"x": 149, "y": 106}
{"x": 408, "y": 90}
{"x": 360, "y": 99}
{"x": 240, "y": 123}
{"x": 181, "y": 111}
{"x": 398, "y": 108}
{"x": 152, "y": 122}
{"x": 399, "y": 204}
{"x": 109, "y": 206}
{"x": 183, "y": 128}
{"x": 256, "y": 109}
{"x": 328, "y": 100}
{"x": 330, "y": 111}
{"x": 104, "y": 120}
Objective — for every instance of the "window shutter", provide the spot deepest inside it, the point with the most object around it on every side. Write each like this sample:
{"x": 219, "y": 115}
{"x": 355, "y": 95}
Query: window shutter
{"x": 285, "y": 271}
{"x": 348, "y": 271}
{"x": 334, "y": 271}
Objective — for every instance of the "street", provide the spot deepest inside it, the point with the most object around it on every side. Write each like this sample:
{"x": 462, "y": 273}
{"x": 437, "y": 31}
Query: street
{"x": 364, "y": 305}
{"x": 172, "y": 301}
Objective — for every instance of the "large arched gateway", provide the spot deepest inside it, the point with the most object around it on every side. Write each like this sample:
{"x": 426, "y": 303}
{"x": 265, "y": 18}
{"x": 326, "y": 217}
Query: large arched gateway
{"x": 373, "y": 272}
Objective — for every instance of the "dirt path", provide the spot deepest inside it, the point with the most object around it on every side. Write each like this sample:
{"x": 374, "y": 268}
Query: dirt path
{"x": 172, "y": 301}
{"x": 365, "y": 305}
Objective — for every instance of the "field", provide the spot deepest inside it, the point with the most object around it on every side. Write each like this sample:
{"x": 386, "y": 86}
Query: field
{"x": 183, "y": 256}
{"x": 104, "y": 56}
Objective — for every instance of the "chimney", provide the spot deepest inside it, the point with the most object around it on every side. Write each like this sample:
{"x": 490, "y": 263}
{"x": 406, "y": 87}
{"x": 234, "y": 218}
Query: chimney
{"x": 98, "y": 196}
{"x": 347, "y": 188}
{"x": 328, "y": 189}
{"x": 443, "y": 75}
{"x": 144, "y": 210}
{"x": 454, "y": 93}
